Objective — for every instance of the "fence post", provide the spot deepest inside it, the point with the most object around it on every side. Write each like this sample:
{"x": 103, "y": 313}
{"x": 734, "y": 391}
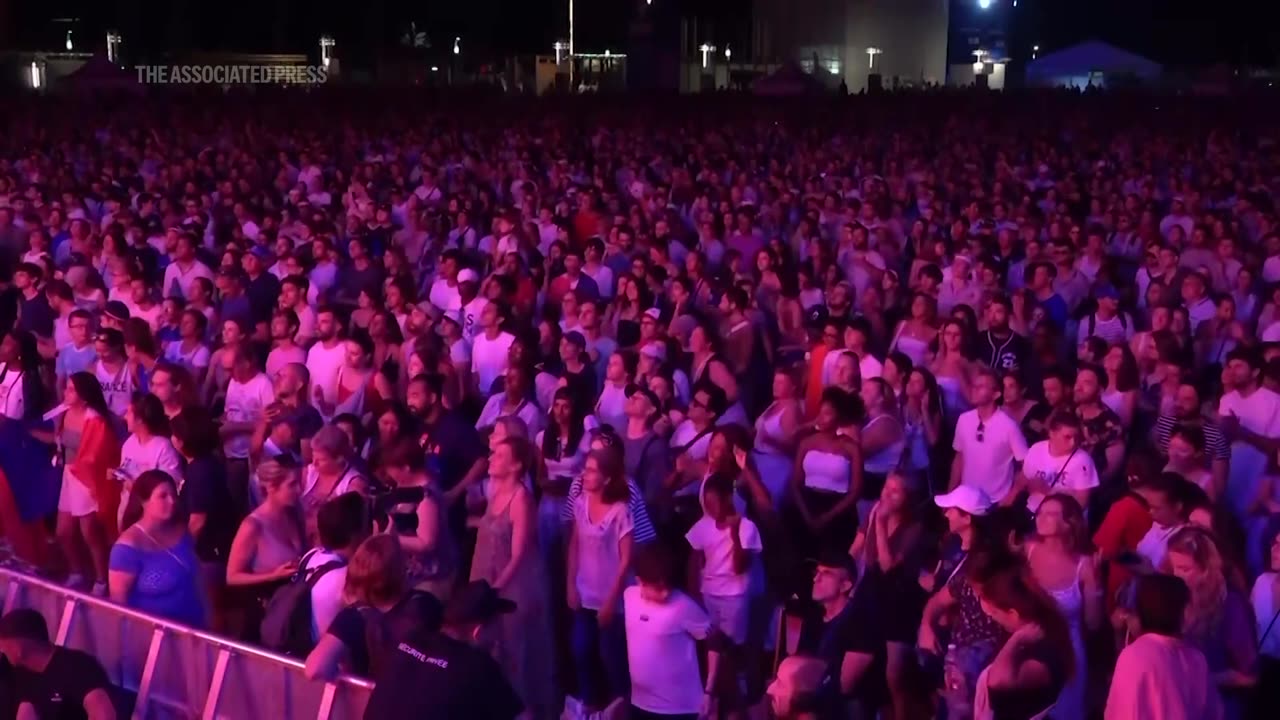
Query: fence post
{"x": 148, "y": 674}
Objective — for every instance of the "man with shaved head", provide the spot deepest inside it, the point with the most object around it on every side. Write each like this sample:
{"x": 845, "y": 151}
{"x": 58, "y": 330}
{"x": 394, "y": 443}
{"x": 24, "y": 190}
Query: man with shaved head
{"x": 801, "y": 690}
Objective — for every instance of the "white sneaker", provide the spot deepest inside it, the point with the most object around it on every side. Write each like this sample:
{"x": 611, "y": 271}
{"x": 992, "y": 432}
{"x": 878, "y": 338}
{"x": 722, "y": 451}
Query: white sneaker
{"x": 75, "y": 581}
{"x": 99, "y": 590}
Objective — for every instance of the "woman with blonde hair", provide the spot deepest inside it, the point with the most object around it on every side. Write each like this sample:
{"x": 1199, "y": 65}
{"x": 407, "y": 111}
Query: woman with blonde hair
{"x": 330, "y": 474}
{"x": 1219, "y": 619}
{"x": 266, "y": 548}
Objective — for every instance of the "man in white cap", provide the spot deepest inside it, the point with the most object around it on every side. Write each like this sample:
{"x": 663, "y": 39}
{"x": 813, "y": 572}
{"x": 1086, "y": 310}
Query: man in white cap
{"x": 471, "y": 303}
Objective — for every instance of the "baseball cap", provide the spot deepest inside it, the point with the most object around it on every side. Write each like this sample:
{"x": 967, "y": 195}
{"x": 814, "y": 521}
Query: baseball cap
{"x": 468, "y": 275}
{"x": 261, "y": 251}
{"x": 1106, "y": 292}
{"x": 654, "y": 313}
{"x": 967, "y": 498}
{"x": 635, "y": 389}
{"x": 477, "y": 602}
{"x": 576, "y": 338}
{"x": 455, "y": 316}
{"x": 24, "y": 624}
{"x": 655, "y": 350}
{"x": 116, "y": 310}
{"x": 110, "y": 336}
{"x": 836, "y": 558}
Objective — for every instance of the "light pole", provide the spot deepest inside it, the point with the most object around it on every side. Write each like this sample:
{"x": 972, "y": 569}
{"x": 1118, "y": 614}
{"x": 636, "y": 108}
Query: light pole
{"x": 706, "y": 51}
{"x": 977, "y": 62}
{"x": 326, "y": 50}
{"x": 872, "y": 52}
{"x": 571, "y": 45}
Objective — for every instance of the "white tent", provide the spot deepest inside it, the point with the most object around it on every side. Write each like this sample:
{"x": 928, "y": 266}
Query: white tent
{"x": 1093, "y": 62}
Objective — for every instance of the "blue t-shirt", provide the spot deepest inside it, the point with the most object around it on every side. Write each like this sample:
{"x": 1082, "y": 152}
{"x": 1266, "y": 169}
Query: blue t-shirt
{"x": 72, "y": 360}
{"x": 1055, "y": 308}
{"x": 164, "y": 581}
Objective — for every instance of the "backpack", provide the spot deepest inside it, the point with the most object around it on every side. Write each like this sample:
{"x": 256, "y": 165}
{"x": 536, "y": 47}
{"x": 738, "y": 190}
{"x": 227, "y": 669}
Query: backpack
{"x": 419, "y": 610}
{"x": 286, "y": 625}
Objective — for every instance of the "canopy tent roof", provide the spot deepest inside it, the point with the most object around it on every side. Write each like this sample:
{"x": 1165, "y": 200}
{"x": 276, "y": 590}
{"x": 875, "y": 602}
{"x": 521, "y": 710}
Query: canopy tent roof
{"x": 98, "y": 74}
{"x": 1092, "y": 57}
{"x": 788, "y": 80}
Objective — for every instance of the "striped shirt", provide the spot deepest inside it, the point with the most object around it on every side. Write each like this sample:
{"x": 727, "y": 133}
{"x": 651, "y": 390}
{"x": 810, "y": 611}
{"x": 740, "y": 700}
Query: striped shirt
{"x": 642, "y": 530}
{"x": 1216, "y": 446}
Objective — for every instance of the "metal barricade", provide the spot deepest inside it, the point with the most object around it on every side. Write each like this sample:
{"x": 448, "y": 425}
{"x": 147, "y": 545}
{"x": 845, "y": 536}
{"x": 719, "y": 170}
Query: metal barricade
{"x": 179, "y": 672}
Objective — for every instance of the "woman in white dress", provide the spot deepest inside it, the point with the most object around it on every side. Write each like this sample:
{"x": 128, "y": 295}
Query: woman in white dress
{"x": 914, "y": 334}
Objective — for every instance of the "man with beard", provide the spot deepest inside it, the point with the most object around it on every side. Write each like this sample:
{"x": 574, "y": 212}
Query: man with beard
{"x": 291, "y": 406}
{"x": 326, "y": 358}
{"x": 293, "y": 296}
{"x": 1183, "y": 408}
{"x": 999, "y": 347}
{"x": 450, "y": 441}
{"x": 1103, "y": 435}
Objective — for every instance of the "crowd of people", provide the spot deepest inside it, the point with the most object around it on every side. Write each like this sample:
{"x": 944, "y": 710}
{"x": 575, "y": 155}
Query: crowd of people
{"x": 911, "y": 406}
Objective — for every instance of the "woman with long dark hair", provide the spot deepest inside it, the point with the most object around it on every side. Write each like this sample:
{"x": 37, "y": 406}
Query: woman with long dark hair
{"x": 154, "y": 567}
{"x": 1028, "y": 674}
{"x": 89, "y": 501}
{"x": 418, "y": 516}
{"x": 891, "y": 548}
{"x": 146, "y": 448}
{"x": 1060, "y": 558}
{"x": 22, "y": 394}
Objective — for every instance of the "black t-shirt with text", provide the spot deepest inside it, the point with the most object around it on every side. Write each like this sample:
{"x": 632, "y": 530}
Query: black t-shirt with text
{"x": 433, "y": 675}
{"x": 59, "y": 691}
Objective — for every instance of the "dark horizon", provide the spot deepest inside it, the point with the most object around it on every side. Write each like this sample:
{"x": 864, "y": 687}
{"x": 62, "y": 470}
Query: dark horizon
{"x": 1173, "y": 32}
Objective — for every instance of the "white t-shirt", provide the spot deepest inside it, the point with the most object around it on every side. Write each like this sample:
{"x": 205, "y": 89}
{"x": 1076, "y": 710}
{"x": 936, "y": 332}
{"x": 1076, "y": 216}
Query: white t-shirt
{"x": 155, "y": 454}
{"x": 683, "y": 435}
{"x": 1258, "y": 413}
{"x": 718, "y": 575}
{"x": 194, "y": 360}
{"x": 988, "y": 464}
{"x": 443, "y": 296}
{"x": 153, "y": 316}
{"x": 177, "y": 282}
{"x": 489, "y": 359}
{"x": 1063, "y": 472}
{"x": 323, "y": 364}
{"x": 527, "y": 411}
{"x": 599, "y": 555}
{"x": 13, "y": 404}
{"x": 245, "y": 403}
{"x": 306, "y": 324}
{"x": 460, "y": 353}
{"x": 870, "y": 367}
{"x": 326, "y": 594}
{"x": 278, "y": 358}
{"x": 662, "y": 652}
{"x": 471, "y": 318}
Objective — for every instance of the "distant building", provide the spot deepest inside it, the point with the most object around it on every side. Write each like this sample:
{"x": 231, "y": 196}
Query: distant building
{"x": 902, "y": 41}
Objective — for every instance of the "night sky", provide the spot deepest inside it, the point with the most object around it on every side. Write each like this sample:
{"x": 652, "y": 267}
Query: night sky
{"x": 1175, "y": 32}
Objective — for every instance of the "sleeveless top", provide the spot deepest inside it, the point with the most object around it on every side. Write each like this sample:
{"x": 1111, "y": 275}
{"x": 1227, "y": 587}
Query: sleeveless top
{"x": 913, "y": 348}
{"x": 887, "y": 459}
{"x": 769, "y": 429}
{"x": 273, "y": 549}
{"x": 826, "y": 472}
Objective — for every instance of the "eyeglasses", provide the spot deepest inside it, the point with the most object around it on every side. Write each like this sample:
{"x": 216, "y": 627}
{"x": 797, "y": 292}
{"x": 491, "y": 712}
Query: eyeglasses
{"x": 982, "y": 430}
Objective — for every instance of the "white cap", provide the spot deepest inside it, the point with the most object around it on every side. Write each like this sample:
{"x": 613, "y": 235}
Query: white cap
{"x": 468, "y": 275}
{"x": 655, "y": 350}
{"x": 967, "y": 498}
{"x": 654, "y": 313}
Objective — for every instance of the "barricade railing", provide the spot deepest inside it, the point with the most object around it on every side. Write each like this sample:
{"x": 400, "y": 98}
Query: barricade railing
{"x": 181, "y": 672}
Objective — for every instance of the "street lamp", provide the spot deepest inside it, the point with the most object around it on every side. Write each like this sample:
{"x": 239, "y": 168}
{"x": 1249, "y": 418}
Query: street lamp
{"x": 457, "y": 49}
{"x": 327, "y": 44}
{"x": 872, "y": 52}
{"x": 69, "y": 46}
{"x": 977, "y": 62}
{"x": 560, "y": 47}
{"x": 1035, "y": 50}
{"x": 706, "y": 51}
{"x": 728, "y": 53}
{"x": 113, "y": 46}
